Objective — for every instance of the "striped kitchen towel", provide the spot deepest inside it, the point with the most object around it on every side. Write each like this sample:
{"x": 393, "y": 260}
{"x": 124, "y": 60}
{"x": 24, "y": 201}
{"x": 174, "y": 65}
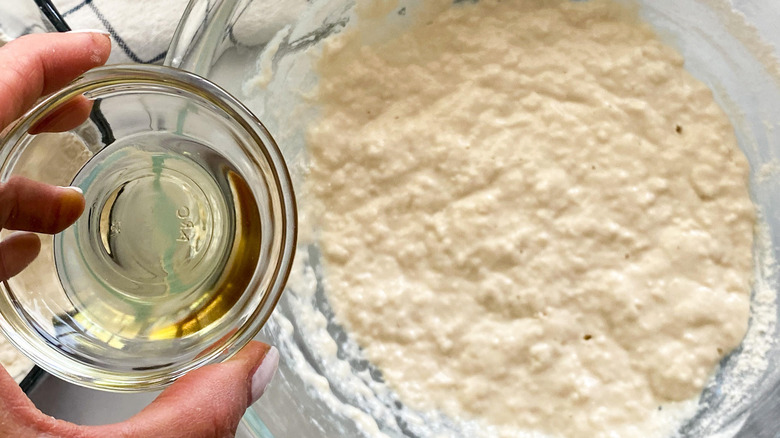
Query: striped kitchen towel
{"x": 140, "y": 29}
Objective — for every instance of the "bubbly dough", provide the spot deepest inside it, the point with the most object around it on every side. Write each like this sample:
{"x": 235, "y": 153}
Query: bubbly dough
{"x": 531, "y": 214}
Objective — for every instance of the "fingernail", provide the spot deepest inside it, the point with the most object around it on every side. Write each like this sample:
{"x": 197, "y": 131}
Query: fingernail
{"x": 264, "y": 373}
{"x": 100, "y": 31}
{"x": 77, "y": 189}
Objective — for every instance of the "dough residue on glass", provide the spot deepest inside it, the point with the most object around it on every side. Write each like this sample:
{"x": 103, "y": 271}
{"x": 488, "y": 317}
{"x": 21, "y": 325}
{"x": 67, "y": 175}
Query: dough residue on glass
{"x": 13, "y": 361}
{"x": 531, "y": 214}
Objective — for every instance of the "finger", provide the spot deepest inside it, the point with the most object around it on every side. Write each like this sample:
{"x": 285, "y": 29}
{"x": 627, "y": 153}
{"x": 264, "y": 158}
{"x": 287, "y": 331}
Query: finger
{"x": 17, "y": 251}
{"x": 33, "y": 206}
{"x": 68, "y": 116}
{"x": 18, "y": 415}
{"x": 20, "y": 418}
{"x": 205, "y": 403}
{"x": 38, "y": 64}
{"x": 208, "y": 402}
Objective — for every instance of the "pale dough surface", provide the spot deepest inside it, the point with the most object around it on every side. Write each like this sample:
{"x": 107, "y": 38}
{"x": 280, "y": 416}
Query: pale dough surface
{"x": 531, "y": 214}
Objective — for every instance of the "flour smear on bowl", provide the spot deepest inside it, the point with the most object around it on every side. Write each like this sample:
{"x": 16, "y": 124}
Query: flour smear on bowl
{"x": 531, "y": 215}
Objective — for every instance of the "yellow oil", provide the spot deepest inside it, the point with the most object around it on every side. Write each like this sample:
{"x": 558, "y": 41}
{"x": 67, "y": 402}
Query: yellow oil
{"x": 167, "y": 246}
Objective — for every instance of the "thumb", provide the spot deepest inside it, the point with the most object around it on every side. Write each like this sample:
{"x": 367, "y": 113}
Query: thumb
{"x": 207, "y": 402}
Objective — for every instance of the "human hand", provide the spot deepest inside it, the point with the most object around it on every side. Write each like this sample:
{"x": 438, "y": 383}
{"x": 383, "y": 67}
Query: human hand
{"x": 207, "y": 402}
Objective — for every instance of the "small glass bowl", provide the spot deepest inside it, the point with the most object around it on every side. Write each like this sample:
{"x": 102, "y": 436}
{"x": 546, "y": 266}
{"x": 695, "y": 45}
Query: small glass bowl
{"x": 217, "y": 261}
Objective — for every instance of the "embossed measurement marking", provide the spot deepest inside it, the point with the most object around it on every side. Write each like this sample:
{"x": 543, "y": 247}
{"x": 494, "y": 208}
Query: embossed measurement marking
{"x": 185, "y": 226}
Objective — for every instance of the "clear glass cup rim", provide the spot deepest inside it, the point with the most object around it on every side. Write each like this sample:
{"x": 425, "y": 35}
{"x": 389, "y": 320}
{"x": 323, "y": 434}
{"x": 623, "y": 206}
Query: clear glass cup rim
{"x": 166, "y": 78}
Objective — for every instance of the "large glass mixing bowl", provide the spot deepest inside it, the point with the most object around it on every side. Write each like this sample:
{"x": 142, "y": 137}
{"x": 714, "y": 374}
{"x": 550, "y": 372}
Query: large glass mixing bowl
{"x": 257, "y": 50}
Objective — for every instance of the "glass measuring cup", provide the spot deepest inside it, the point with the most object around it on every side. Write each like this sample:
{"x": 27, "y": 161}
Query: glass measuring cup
{"x": 185, "y": 243}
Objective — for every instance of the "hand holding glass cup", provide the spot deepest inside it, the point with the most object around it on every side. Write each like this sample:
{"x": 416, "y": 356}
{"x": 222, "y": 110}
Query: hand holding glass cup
{"x": 185, "y": 241}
